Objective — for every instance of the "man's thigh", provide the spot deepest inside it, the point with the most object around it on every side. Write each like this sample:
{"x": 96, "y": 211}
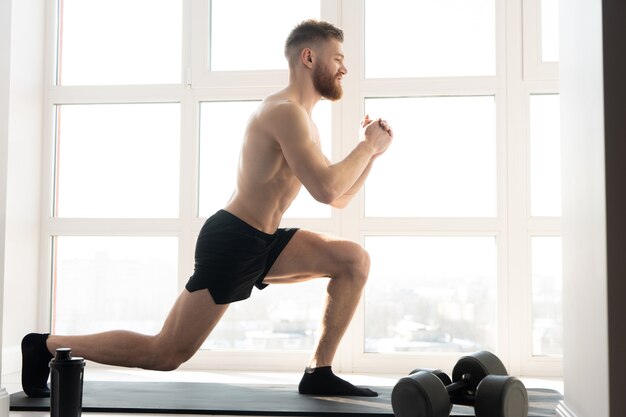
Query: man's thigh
{"x": 311, "y": 255}
{"x": 189, "y": 322}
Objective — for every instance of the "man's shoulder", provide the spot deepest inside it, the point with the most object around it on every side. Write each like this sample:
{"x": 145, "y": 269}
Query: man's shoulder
{"x": 281, "y": 106}
{"x": 281, "y": 116}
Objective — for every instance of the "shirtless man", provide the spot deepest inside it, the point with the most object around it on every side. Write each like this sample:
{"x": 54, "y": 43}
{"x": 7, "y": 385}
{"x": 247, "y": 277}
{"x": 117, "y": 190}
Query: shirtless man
{"x": 242, "y": 246}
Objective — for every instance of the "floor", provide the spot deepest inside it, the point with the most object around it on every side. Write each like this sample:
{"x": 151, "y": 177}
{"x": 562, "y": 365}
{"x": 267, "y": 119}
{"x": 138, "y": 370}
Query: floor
{"x": 11, "y": 382}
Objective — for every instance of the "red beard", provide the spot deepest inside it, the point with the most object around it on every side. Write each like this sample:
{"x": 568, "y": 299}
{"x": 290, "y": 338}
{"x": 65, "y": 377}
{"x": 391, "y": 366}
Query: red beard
{"x": 327, "y": 84}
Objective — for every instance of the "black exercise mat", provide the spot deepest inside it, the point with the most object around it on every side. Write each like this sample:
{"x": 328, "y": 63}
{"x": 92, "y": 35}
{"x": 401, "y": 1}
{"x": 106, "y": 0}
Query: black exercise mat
{"x": 242, "y": 400}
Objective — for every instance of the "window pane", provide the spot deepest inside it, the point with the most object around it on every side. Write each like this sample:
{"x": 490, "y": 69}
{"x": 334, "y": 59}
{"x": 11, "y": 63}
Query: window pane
{"x": 222, "y": 127}
{"x": 282, "y": 317}
{"x": 110, "y": 282}
{"x": 442, "y": 162}
{"x": 430, "y": 294}
{"x": 547, "y": 282}
{"x": 240, "y": 40}
{"x": 107, "y": 42}
{"x": 425, "y": 38}
{"x": 549, "y": 30}
{"x": 118, "y": 160}
{"x": 545, "y": 155}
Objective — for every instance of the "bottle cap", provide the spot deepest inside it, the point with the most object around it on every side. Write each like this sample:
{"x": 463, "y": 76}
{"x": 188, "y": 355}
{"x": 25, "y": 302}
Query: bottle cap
{"x": 63, "y": 354}
{"x": 64, "y": 357}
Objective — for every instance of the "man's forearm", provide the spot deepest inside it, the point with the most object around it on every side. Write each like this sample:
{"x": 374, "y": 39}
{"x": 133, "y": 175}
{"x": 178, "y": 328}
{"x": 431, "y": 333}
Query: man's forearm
{"x": 345, "y": 175}
{"x": 344, "y": 199}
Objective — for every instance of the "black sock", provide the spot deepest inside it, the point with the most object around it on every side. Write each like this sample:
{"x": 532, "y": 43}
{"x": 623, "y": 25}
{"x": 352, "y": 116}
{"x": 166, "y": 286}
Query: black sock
{"x": 322, "y": 381}
{"x": 35, "y": 365}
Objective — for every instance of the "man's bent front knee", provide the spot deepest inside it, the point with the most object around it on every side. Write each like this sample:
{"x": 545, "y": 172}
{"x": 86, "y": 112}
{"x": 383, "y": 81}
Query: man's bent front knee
{"x": 362, "y": 266}
{"x": 354, "y": 261}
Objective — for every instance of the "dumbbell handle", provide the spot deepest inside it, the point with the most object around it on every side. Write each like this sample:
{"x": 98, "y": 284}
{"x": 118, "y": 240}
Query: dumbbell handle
{"x": 458, "y": 392}
{"x": 456, "y": 386}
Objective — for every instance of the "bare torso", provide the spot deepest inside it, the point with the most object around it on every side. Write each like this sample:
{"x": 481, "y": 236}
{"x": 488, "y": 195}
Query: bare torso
{"x": 266, "y": 185}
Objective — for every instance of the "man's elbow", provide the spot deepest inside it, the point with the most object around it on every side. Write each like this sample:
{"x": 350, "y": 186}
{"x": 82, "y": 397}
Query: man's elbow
{"x": 336, "y": 200}
{"x": 340, "y": 203}
{"x": 325, "y": 198}
{"x": 326, "y": 195}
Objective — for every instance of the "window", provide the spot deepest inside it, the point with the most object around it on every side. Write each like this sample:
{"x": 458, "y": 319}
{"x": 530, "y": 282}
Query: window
{"x": 419, "y": 301}
{"x": 438, "y": 168}
{"x": 231, "y": 46}
{"x": 108, "y": 282}
{"x": 541, "y": 39}
{"x": 283, "y": 318}
{"x": 222, "y": 126}
{"x": 461, "y": 216}
{"x": 545, "y": 155}
{"x": 539, "y": 242}
{"x": 549, "y": 30}
{"x": 547, "y": 289}
{"x": 99, "y": 148}
{"x": 99, "y": 45}
{"x": 114, "y": 165}
{"x": 429, "y": 39}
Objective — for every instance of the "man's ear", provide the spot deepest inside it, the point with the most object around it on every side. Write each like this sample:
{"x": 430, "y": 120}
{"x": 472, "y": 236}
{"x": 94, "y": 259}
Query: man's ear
{"x": 306, "y": 57}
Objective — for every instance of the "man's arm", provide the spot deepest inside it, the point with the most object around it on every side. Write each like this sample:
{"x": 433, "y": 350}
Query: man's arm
{"x": 343, "y": 200}
{"x": 290, "y": 125}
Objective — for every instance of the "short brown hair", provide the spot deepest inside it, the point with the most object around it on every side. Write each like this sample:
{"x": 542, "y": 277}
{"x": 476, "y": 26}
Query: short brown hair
{"x": 310, "y": 31}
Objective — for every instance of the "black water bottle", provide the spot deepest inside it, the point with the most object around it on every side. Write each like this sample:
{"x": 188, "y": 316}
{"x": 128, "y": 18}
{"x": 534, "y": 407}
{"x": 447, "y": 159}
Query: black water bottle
{"x": 66, "y": 373}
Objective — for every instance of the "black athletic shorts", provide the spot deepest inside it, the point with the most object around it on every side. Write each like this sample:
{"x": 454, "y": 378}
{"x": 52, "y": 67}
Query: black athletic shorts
{"x": 232, "y": 257}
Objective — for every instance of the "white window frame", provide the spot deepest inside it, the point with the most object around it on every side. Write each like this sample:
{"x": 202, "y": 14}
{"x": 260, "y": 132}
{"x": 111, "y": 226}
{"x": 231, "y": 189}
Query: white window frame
{"x": 516, "y": 78}
{"x": 200, "y": 75}
{"x": 534, "y": 66}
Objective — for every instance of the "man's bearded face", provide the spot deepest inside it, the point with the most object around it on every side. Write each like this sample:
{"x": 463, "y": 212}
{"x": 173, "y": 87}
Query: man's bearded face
{"x": 326, "y": 83}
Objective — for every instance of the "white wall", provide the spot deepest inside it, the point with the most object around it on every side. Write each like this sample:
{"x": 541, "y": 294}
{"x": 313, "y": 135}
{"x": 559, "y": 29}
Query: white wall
{"x": 593, "y": 187}
{"x": 23, "y": 177}
{"x": 5, "y": 62}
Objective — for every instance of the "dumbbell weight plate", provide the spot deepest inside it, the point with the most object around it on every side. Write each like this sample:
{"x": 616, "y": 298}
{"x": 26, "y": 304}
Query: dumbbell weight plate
{"x": 445, "y": 379}
{"x": 421, "y": 394}
{"x": 473, "y": 368}
{"x": 501, "y": 396}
